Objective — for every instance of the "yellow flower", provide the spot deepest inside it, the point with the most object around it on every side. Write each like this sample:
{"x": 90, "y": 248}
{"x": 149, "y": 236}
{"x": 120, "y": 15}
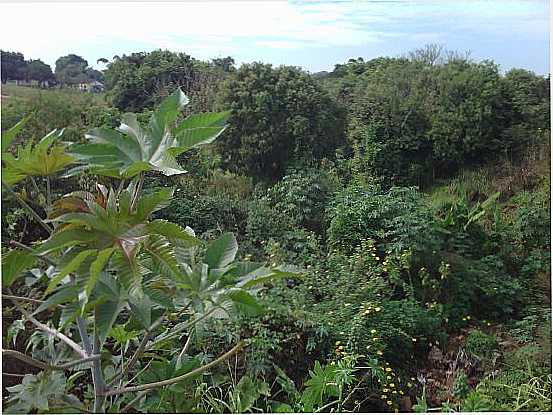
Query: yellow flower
{"x": 384, "y": 390}
{"x": 377, "y": 309}
{"x": 388, "y": 377}
{"x": 383, "y": 396}
{"x": 392, "y": 385}
{"x": 409, "y": 384}
{"x": 388, "y": 369}
{"x": 373, "y": 331}
{"x": 338, "y": 342}
{"x": 389, "y": 402}
{"x": 379, "y": 353}
{"x": 401, "y": 392}
{"x": 413, "y": 340}
{"x": 394, "y": 392}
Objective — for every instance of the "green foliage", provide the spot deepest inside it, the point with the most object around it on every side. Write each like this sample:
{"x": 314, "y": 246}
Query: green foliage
{"x": 303, "y": 196}
{"x": 42, "y": 392}
{"x": 13, "y": 66}
{"x": 389, "y": 274}
{"x": 480, "y": 344}
{"x": 418, "y": 119}
{"x": 46, "y": 158}
{"x": 142, "y": 80}
{"x": 396, "y": 219}
{"x": 278, "y": 115}
{"x": 133, "y": 149}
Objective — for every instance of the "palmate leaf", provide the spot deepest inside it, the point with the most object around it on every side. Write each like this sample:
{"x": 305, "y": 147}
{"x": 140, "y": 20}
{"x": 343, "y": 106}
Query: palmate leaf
{"x": 132, "y": 148}
{"x": 43, "y": 159}
{"x": 222, "y": 251}
{"x": 10, "y": 135}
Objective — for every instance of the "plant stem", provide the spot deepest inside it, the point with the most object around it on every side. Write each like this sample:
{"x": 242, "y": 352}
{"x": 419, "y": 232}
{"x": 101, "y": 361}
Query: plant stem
{"x": 186, "y": 346}
{"x": 137, "y": 191}
{"x": 48, "y": 192}
{"x": 185, "y": 327}
{"x": 26, "y": 248}
{"x": 30, "y": 300}
{"x": 98, "y": 379}
{"x": 29, "y": 208}
{"x": 141, "y": 348}
{"x": 49, "y": 330}
{"x": 33, "y": 181}
{"x": 44, "y": 365}
{"x": 180, "y": 378}
{"x": 135, "y": 400}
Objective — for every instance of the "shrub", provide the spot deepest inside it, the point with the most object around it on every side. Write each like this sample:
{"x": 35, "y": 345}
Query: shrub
{"x": 303, "y": 195}
{"x": 277, "y": 115}
{"x": 480, "y": 344}
{"x": 396, "y": 219}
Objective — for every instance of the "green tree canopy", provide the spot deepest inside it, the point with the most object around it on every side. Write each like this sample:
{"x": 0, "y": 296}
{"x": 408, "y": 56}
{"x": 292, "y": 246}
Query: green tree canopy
{"x": 278, "y": 115}
{"x": 13, "y": 66}
{"x": 39, "y": 71}
{"x": 142, "y": 80}
{"x": 71, "y": 69}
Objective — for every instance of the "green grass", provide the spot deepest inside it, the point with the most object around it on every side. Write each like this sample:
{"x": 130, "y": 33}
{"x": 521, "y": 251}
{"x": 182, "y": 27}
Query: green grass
{"x": 10, "y": 91}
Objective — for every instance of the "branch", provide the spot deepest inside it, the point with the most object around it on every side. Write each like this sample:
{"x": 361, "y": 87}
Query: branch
{"x": 26, "y": 248}
{"x": 29, "y": 208}
{"x": 176, "y": 332}
{"x": 171, "y": 381}
{"x": 135, "y": 400}
{"x": 186, "y": 346}
{"x": 141, "y": 348}
{"x": 27, "y": 299}
{"x": 49, "y": 330}
{"x": 44, "y": 365}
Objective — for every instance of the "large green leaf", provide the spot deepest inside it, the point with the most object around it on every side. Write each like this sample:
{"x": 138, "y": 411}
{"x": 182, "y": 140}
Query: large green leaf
{"x": 132, "y": 148}
{"x": 199, "y": 129}
{"x": 96, "y": 268}
{"x": 142, "y": 309}
{"x": 63, "y": 295}
{"x": 68, "y": 269}
{"x": 245, "y": 302}
{"x": 64, "y": 238}
{"x": 14, "y": 264}
{"x": 43, "y": 159}
{"x": 222, "y": 251}
{"x": 172, "y": 231}
{"x": 105, "y": 315}
{"x": 10, "y": 135}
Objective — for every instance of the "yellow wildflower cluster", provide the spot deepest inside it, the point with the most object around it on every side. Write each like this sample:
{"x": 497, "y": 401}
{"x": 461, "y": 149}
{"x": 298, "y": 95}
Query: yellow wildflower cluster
{"x": 390, "y": 387}
{"x": 368, "y": 308}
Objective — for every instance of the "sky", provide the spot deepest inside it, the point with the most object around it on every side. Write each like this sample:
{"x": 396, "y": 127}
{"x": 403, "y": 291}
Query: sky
{"x": 315, "y": 35}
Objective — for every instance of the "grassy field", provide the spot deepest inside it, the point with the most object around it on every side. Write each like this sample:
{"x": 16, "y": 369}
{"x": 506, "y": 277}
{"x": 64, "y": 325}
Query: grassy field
{"x": 10, "y": 91}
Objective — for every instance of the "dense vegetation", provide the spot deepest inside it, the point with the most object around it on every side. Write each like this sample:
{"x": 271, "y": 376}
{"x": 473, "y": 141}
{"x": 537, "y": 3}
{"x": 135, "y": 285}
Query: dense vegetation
{"x": 372, "y": 239}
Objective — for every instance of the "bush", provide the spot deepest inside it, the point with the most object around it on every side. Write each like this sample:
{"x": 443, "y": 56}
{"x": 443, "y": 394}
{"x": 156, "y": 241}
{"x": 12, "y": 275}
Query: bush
{"x": 208, "y": 215}
{"x": 303, "y": 195}
{"x": 396, "y": 219}
{"x": 480, "y": 344}
{"x": 278, "y": 115}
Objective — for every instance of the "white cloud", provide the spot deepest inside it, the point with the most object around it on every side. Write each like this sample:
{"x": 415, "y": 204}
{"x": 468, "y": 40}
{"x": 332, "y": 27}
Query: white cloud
{"x": 239, "y": 28}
